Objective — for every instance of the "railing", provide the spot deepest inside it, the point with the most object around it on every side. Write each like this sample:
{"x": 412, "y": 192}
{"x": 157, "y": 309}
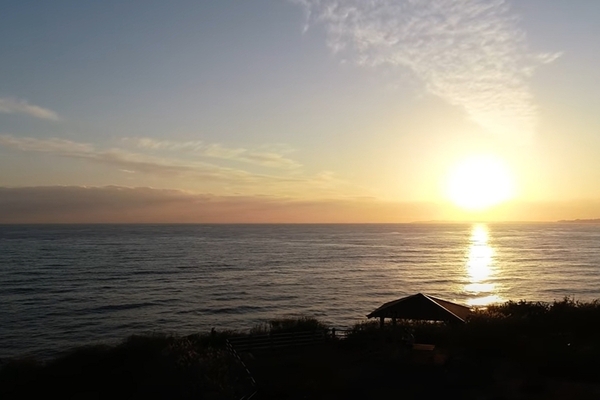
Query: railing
{"x": 271, "y": 341}
{"x": 278, "y": 340}
{"x": 235, "y": 354}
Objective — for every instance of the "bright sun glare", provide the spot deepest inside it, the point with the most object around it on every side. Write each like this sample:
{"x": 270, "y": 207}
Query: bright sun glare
{"x": 480, "y": 182}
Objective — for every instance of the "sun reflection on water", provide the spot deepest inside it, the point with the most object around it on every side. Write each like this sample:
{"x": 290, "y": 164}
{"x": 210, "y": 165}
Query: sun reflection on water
{"x": 480, "y": 269}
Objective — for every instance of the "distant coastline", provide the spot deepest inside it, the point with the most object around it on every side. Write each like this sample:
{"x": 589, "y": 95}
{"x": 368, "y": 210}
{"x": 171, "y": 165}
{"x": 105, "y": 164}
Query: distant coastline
{"x": 582, "y": 221}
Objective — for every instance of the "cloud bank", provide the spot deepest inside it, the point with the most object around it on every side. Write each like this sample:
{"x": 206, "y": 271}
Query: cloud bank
{"x": 12, "y": 106}
{"x": 469, "y": 52}
{"x": 115, "y": 204}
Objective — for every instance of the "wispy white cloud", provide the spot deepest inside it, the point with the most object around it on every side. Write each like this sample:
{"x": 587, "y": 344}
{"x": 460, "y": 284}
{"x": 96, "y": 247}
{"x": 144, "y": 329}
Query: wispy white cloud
{"x": 12, "y": 106}
{"x": 201, "y": 173}
{"x": 469, "y": 52}
{"x": 155, "y": 144}
{"x": 53, "y": 145}
{"x": 266, "y": 157}
{"x": 121, "y": 158}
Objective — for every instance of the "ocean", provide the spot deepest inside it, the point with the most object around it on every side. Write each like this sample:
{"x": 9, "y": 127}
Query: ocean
{"x": 67, "y": 285}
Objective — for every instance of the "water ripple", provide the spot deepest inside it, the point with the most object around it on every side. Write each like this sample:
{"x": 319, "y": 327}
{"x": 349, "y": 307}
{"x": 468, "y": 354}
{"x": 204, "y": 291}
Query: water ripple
{"x": 66, "y": 285}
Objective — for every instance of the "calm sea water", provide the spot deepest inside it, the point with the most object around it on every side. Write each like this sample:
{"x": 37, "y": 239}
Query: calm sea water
{"x": 67, "y": 285}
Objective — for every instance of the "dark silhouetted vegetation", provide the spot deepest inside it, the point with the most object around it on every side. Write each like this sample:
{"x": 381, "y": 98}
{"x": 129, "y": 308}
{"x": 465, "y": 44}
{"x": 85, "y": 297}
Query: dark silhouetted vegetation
{"x": 533, "y": 349}
{"x": 156, "y": 366}
{"x": 286, "y": 325}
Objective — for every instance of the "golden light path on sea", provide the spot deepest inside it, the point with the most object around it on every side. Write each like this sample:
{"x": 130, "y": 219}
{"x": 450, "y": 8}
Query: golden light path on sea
{"x": 480, "y": 269}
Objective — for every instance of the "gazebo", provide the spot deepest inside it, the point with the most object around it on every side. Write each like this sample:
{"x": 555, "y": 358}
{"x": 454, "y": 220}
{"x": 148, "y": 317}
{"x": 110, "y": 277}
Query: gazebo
{"x": 421, "y": 307}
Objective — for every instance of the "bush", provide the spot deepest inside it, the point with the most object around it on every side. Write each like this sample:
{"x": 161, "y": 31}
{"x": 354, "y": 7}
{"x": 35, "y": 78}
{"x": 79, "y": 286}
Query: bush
{"x": 155, "y": 366}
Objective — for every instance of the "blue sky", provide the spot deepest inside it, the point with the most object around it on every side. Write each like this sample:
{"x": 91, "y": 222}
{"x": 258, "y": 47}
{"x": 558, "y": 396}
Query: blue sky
{"x": 301, "y": 101}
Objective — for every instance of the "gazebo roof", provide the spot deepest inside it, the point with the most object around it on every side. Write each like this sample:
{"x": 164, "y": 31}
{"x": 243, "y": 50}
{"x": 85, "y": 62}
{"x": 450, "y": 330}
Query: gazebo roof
{"x": 422, "y": 307}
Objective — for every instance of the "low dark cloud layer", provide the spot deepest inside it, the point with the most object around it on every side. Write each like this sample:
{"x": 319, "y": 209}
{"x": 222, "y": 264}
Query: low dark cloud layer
{"x": 114, "y": 204}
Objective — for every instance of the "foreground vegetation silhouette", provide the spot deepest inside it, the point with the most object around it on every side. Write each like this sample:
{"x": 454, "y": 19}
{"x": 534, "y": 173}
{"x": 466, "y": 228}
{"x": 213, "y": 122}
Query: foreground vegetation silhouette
{"x": 513, "y": 350}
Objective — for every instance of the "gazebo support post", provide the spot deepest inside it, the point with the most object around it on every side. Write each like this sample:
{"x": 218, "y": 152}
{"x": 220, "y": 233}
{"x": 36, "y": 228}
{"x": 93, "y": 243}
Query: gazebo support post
{"x": 381, "y": 322}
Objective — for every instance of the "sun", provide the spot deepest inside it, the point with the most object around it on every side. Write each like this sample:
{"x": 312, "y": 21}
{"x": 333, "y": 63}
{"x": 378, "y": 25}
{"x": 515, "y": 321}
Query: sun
{"x": 480, "y": 182}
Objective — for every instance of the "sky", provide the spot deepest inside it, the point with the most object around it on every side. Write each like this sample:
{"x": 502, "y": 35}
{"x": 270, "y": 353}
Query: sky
{"x": 296, "y": 110}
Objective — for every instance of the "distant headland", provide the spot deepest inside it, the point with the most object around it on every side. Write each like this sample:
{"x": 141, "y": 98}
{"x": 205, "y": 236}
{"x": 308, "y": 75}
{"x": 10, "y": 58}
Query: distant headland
{"x": 582, "y": 221}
